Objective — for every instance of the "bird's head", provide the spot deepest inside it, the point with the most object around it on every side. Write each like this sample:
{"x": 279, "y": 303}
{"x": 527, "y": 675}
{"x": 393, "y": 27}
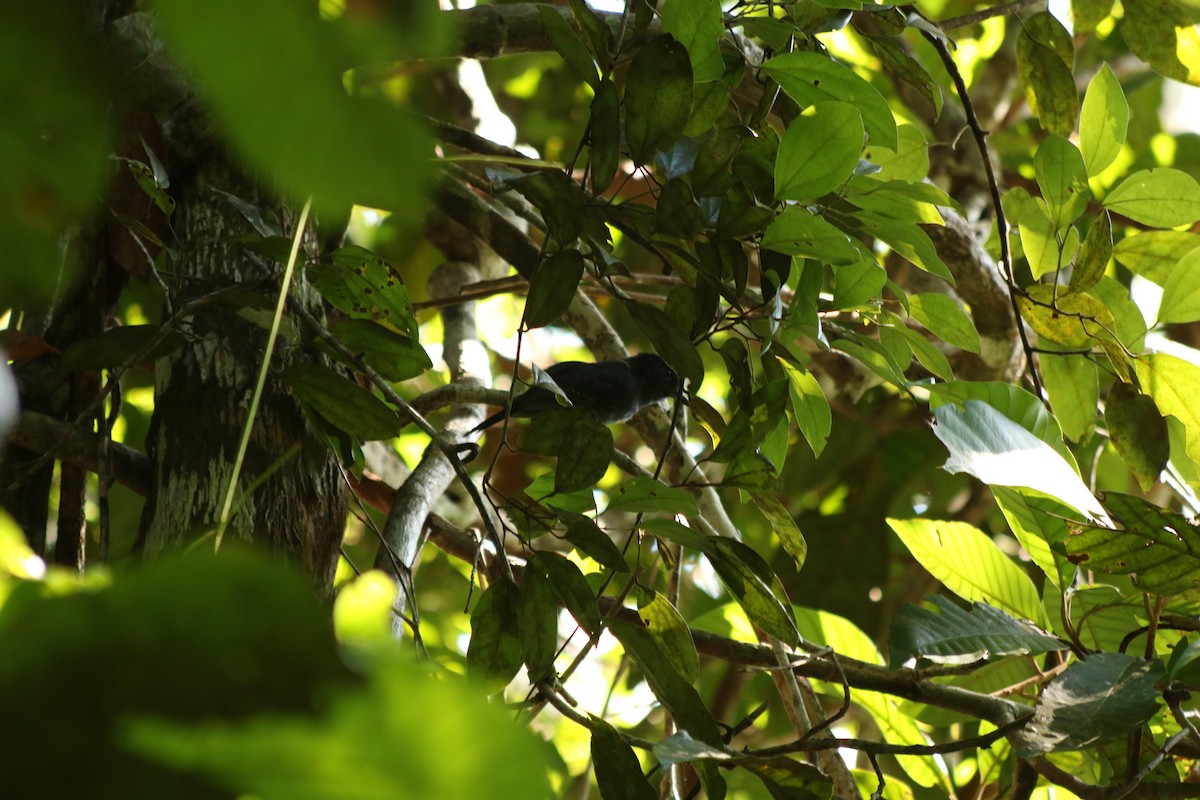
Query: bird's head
{"x": 656, "y": 380}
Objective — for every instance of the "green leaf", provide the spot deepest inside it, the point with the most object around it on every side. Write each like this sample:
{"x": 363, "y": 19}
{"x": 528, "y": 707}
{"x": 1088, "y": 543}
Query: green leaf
{"x": 953, "y": 635}
{"x": 907, "y": 240}
{"x": 537, "y": 622}
{"x": 1039, "y": 240}
{"x": 783, "y": 524}
{"x": 673, "y": 531}
{"x": 1103, "y": 121}
{"x": 1063, "y": 179}
{"x": 115, "y": 346}
{"x": 670, "y": 688}
{"x": 346, "y": 405}
{"x": 970, "y": 564}
{"x": 819, "y": 151}
{"x": 618, "y": 771}
{"x": 810, "y": 79}
{"x": 599, "y": 36}
{"x": 363, "y": 285}
{"x": 677, "y": 213}
{"x": 671, "y": 342}
{"x": 944, "y": 319}
{"x": 1174, "y": 385}
{"x": 393, "y": 355}
{"x": 572, "y": 588}
{"x": 1037, "y": 522}
{"x": 658, "y": 97}
{"x": 568, "y": 44}
{"x": 755, "y": 587}
{"x": 669, "y": 629}
{"x": 1094, "y": 255}
{"x": 1044, "y": 54}
{"x": 1162, "y": 34}
{"x": 897, "y": 60}
{"x": 787, "y": 779}
{"x": 1105, "y": 697}
{"x": 909, "y": 161}
{"x": 858, "y": 285}
{"x": 1154, "y": 254}
{"x": 1088, "y": 14}
{"x": 698, "y": 27}
{"x": 586, "y": 535}
{"x": 641, "y": 493}
{"x": 558, "y": 198}
{"x": 583, "y": 454}
{"x": 1012, "y": 401}
{"x": 1159, "y": 549}
{"x": 985, "y": 443}
{"x": 494, "y": 655}
{"x": 799, "y": 232}
{"x": 926, "y": 353}
{"x": 1071, "y": 320}
{"x": 1181, "y": 292}
{"x": 553, "y": 288}
{"x": 289, "y": 754}
{"x": 1071, "y": 383}
{"x": 1162, "y": 198}
{"x": 809, "y": 405}
{"x": 604, "y": 130}
{"x": 1138, "y": 432}
{"x": 365, "y": 151}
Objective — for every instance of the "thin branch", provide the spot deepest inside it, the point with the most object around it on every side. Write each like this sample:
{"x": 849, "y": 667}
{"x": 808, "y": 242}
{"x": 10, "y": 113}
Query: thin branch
{"x": 980, "y": 135}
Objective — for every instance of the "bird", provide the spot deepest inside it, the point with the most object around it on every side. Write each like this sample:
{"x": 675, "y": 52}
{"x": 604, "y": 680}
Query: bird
{"x": 612, "y": 390}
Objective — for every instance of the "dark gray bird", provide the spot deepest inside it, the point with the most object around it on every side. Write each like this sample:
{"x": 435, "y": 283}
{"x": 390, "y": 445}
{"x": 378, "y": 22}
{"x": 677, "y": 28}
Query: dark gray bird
{"x": 612, "y": 390}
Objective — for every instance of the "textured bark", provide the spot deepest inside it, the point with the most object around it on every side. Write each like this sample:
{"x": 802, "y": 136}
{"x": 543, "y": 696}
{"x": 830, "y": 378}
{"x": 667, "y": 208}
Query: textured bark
{"x": 202, "y": 395}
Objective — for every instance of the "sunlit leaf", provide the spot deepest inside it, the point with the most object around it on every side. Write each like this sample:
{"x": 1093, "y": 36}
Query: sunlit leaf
{"x": 944, "y": 319}
{"x": 494, "y": 655}
{"x": 985, "y": 443}
{"x": 1174, "y": 385}
{"x": 1162, "y": 198}
{"x": 970, "y": 564}
{"x": 819, "y": 151}
{"x": 1181, "y": 292}
{"x": 1063, "y": 179}
{"x": 1161, "y": 33}
{"x": 811, "y": 79}
{"x": 1154, "y": 254}
{"x": 698, "y": 27}
{"x": 1103, "y": 121}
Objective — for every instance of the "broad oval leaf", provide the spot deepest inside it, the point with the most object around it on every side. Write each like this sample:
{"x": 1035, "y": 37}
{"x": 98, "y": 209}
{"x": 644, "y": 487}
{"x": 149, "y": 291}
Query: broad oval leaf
{"x": 1138, "y": 432}
{"x": 494, "y": 655}
{"x": 1103, "y": 121}
{"x": 1073, "y": 320}
{"x": 1181, "y": 292}
{"x": 985, "y": 443}
{"x": 618, "y": 771}
{"x": 819, "y": 151}
{"x": 641, "y": 493}
{"x": 1063, "y": 179}
{"x": 393, "y": 355}
{"x": 1162, "y": 34}
{"x": 658, "y": 97}
{"x": 568, "y": 44}
{"x": 667, "y": 625}
{"x": 604, "y": 132}
{"x": 553, "y": 288}
{"x": 1162, "y": 198}
{"x": 810, "y": 78}
{"x": 583, "y": 454}
{"x": 365, "y": 286}
{"x": 342, "y": 402}
{"x": 1174, "y": 385}
{"x": 969, "y": 563}
{"x": 537, "y": 622}
{"x": 1105, "y": 697}
{"x": 699, "y": 28}
{"x": 572, "y": 589}
{"x": 799, "y": 232}
{"x": 953, "y": 635}
{"x": 1154, "y": 254}
{"x": 1046, "y": 75}
{"x": 944, "y": 319}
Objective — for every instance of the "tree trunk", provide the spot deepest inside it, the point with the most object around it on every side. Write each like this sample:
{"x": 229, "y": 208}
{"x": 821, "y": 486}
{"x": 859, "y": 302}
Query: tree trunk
{"x": 290, "y": 493}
